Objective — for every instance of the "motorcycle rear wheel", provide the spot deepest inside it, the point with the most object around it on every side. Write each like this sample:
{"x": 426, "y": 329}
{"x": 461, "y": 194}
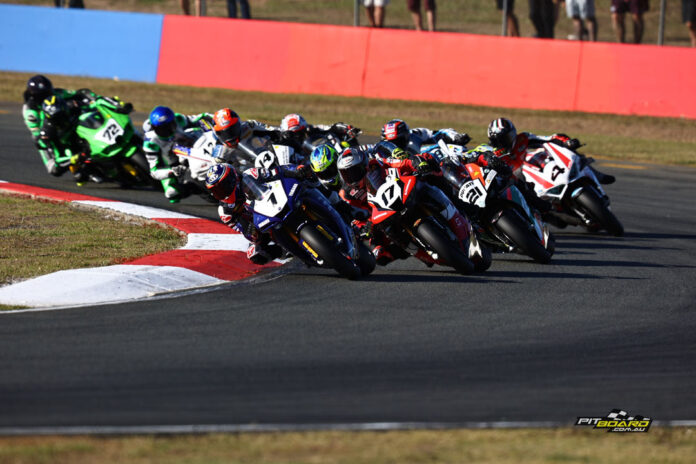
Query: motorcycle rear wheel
{"x": 328, "y": 252}
{"x": 444, "y": 247}
{"x": 599, "y": 212}
{"x": 514, "y": 228}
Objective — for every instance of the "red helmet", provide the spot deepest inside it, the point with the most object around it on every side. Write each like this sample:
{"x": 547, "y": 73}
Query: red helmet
{"x": 222, "y": 182}
{"x": 228, "y": 127}
{"x": 293, "y": 123}
{"x": 396, "y": 131}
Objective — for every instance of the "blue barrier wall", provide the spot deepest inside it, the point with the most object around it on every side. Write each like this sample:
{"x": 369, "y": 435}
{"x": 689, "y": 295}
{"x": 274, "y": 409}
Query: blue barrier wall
{"x": 80, "y": 42}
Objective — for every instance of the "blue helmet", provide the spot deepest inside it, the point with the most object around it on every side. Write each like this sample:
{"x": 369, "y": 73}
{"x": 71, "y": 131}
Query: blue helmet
{"x": 163, "y": 121}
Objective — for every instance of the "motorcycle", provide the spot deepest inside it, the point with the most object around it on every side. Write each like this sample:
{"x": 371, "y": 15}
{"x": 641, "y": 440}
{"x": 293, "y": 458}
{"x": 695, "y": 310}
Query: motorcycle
{"x": 303, "y": 223}
{"x": 109, "y": 146}
{"x": 195, "y": 149}
{"x": 404, "y": 209}
{"x": 506, "y": 222}
{"x": 566, "y": 180}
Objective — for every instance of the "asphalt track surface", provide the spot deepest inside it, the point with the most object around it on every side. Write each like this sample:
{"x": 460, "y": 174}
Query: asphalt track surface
{"x": 609, "y": 324}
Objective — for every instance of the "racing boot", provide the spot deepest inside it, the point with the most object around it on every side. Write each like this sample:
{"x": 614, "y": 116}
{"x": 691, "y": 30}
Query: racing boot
{"x": 382, "y": 255}
{"x": 424, "y": 257}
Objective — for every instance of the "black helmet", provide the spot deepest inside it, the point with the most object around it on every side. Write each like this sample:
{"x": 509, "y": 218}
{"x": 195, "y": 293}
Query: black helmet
{"x": 502, "y": 133}
{"x": 396, "y": 131}
{"x": 39, "y": 88}
{"x": 352, "y": 165}
{"x": 57, "y": 113}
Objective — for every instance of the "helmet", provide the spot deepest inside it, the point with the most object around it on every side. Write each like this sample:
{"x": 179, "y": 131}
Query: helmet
{"x": 388, "y": 150}
{"x": 502, "y": 133}
{"x": 228, "y": 127}
{"x": 222, "y": 182}
{"x": 323, "y": 160}
{"x": 57, "y": 115}
{"x": 163, "y": 121}
{"x": 396, "y": 131}
{"x": 352, "y": 165}
{"x": 39, "y": 88}
{"x": 293, "y": 123}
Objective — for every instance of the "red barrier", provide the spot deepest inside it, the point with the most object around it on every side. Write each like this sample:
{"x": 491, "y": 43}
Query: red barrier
{"x": 445, "y": 67}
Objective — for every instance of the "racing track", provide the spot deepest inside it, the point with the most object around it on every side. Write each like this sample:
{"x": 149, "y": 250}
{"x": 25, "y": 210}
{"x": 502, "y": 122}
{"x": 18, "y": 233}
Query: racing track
{"x": 609, "y": 324}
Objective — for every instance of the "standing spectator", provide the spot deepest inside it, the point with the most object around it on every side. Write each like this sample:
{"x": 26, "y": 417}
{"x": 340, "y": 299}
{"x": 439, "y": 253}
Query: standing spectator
{"x": 243, "y": 5}
{"x": 70, "y": 3}
{"x": 187, "y": 11}
{"x": 689, "y": 18}
{"x": 581, "y": 11}
{"x": 414, "y": 6}
{"x": 618, "y": 12}
{"x": 541, "y": 12}
{"x": 375, "y": 10}
{"x": 513, "y": 26}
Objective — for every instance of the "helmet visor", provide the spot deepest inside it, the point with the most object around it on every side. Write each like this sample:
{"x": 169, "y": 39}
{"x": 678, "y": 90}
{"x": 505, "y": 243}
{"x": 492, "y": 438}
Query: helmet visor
{"x": 329, "y": 173}
{"x": 166, "y": 130}
{"x": 229, "y": 135}
{"x": 353, "y": 174}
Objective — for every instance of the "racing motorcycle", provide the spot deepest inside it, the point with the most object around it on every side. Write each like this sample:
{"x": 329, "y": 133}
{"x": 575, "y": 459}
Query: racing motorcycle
{"x": 105, "y": 144}
{"x": 404, "y": 209}
{"x": 506, "y": 222}
{"x": 566, "y": 180}
{"x": 302, "y": 222}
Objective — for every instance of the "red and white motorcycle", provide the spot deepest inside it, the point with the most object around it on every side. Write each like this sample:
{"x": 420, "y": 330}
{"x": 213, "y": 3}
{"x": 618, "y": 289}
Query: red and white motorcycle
{"x": 565, "y": 179}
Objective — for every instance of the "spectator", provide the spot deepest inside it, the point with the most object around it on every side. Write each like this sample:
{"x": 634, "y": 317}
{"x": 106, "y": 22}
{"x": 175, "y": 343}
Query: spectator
{"x": 375, "y": 11}
{"x": 414, "y": 6}
{"x": 541, "y": 12}
{"x": 187, "y": 11}
{"x": 689, "y": 18}
{"x": 581, "y": 11}
{"x": 513, "y": 26}
{"x": 618, "y": 12}
{"x": 70, "y": 3}
{"x": 243, "y": 5}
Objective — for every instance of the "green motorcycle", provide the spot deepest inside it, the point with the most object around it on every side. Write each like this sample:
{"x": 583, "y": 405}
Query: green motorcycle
{"x": 99, "y": 139}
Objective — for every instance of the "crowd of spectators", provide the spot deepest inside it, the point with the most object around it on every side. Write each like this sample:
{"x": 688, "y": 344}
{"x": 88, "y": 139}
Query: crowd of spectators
{"x": 542, "y": 13}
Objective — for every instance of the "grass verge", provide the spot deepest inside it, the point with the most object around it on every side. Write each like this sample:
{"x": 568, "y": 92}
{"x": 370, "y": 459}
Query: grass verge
{"x": 39, "y": 237}
{"x": 659, "y": 445}
{"x": 663, "y": 140}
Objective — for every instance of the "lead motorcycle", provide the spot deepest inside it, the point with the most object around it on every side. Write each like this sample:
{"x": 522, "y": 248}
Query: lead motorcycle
{"x": 403, "y": 208}
{"x": 303, "y": 222}
{"x": 566, "y": 180}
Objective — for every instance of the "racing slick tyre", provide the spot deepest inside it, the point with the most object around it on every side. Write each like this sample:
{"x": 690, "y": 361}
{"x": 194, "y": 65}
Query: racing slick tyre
{"x": 366, "y": 260}
{"x": 516, "y": 230}
{"x": 599, "y": 212}
{"x": 329, "y": 253}
{"x": 444, "y": 247}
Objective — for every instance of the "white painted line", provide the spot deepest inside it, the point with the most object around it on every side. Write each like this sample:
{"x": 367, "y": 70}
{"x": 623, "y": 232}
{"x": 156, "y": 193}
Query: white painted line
{"x": 102, "y": 285}
{"x": 136, "y": 210}
{"x": 226, "y": 242}
{"x": 251, "y": 428}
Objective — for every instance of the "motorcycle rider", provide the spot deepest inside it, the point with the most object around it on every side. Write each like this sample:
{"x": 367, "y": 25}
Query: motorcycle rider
{"x": 397, "y": 132}
{"x": 231, "y": 189}
{"x": 163, "y": 129}
{"x": 503, "y": 136}
{"x": 295, "y": 131}
{"x": 58, "y": 135}
{"x": 361, "y": 175}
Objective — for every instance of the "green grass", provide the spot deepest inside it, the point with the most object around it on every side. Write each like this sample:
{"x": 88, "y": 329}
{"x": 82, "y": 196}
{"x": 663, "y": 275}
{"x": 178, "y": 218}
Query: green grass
{"x": 38, "y": 237}
{"x": 470, "y": 16}
{"x": 659, "y": 445}
{"x": 664, "y": 140}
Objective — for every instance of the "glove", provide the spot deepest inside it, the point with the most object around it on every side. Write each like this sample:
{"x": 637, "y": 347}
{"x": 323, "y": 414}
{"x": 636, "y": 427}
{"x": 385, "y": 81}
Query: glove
{"x": 572, "y": 144}
{"x": 179, "y": 170}
{"x": 366, "y": 230}
{"x": 461, "y": 139}
{"x": 305, "y": 171}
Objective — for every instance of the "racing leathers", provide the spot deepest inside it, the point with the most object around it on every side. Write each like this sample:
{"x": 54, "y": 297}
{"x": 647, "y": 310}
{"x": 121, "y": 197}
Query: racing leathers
{"x": 165, "y": 166}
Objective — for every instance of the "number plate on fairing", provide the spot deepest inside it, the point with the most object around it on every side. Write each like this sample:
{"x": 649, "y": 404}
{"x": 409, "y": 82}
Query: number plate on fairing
{"x": 110, "y": 132}
{"x": 387, "y": 194}
{"x": 273, "y": 200}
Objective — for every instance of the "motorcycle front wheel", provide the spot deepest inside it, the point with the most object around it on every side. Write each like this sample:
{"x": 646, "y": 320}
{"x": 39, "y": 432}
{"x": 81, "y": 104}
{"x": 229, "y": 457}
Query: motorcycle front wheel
{"x": 516, "y": 230}
{"x": 444, "y": 247}
{"x": 599, "y": 212}
{"x": 329, "y": 253}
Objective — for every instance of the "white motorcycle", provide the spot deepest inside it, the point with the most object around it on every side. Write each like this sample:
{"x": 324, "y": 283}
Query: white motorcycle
{"x": 565, "y": 179}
